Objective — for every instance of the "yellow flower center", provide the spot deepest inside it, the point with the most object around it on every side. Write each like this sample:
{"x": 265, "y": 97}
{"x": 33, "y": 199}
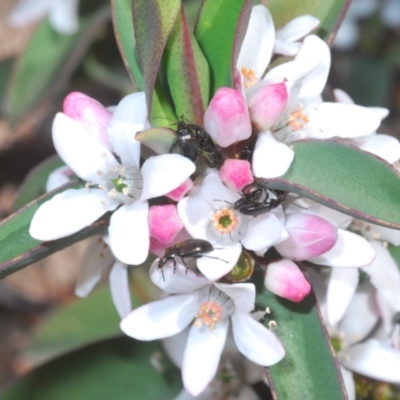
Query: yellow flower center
{"x": 250, "y": 76}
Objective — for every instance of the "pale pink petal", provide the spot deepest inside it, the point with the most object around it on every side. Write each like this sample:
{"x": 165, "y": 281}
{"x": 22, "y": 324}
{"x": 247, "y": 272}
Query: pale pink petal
{"x": 257, "y": 45}
{"x": 180, "y": 192}
{"x": 284, "y": 278}
{"x": 161, "y": 318}
{"x": 161, "y": 174}
{"x": 271, "y": 158}
{"x": 176, "y": 280}
{"x": 119, "y": 285}
{"x": 255, "y": 341}
{"x": 67, "y": 213}
{"x": 242, "y": 294}
{"x": 297, "y": 28}
{"x": 373, "y": 359}
{"x": 63, "y": 16}
{"x": 96, "y": 257}
{"x": 129, "y": 233}
{"x": 82, "y": 152}
{"x": 222, "y": 261}
{"x": 385, "y": 275}
{"x": 202, "y": 355}
{"x": 350, "y": 250}
{"x": 129, "y": 117}
{"x": 342, "y": 285}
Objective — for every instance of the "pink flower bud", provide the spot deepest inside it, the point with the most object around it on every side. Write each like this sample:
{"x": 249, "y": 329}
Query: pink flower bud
{"x": 236, "y": 174}
{"x": 227, "y": 118}
{"x": 164, "y": 223}
{"x": 179, "y": 193}
{"x": 92, "y": 115}
{"x": 309, "y": 236}
{"x": 267, "y": 105}
{"x": 284, "y": 278}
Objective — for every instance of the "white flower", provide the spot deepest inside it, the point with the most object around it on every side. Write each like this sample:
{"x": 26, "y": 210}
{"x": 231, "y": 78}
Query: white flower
{"x": 63, "y": 14}
{"x": 112, "y": 181}
{"x": 207, "y": 213}
{"x": 214, "y": 306}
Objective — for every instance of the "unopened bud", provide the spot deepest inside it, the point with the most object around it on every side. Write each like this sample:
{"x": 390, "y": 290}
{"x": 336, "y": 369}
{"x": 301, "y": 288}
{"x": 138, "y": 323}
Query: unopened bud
{"x": 236, "y": 174}
{"x": 164, "y": 223}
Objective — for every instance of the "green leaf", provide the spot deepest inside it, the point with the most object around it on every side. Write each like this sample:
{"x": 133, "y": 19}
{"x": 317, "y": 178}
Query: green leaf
{"x": 34, "y": 185}
{"x": 119, "y": 368}
{"x": 187, "y": 72}
{"x": 395, "y": 253}
{"x": 329, "y": 12}
{"x": 75, "y": 325}
{"x": 153, "y": 21}
{"x": 219, "y": 31}
{"x": 345, "y": 178}
{"x": 162, "y": 113}
{"x": 50, "y": 58}
{"x": 19, "y": 249}
{"x": 125, "y": 36}
{"x": 309, "y": 369}
{"x": 158, "y": 139}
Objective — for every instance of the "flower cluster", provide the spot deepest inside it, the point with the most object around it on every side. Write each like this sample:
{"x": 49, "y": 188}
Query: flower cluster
{"x": 208, "y": 227}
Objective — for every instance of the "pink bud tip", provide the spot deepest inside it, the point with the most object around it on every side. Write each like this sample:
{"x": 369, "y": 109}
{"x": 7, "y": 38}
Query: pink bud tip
{"x": 267, "y": 105}
{"x": 309, "y": 236}
{"x": 164, "y": 223}
{"x": 285, "y": 279}
{"x": 157, "y": 247}
{"x": 236, "y": 174}
{"x": 227, "y": 118}
{"x": 179, "y": 193}
{"x": 92, "y": 115}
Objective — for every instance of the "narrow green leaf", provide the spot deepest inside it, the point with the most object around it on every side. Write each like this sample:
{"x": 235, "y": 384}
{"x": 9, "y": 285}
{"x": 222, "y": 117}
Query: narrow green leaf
{"x": 345, "y": 178}
{"x": 153, "y": 21}
{"x": 50, "y": 59}
{"x": 34, "y": 185}
{"x": 75, "y": 325}
{"x": 119, "y": 368}
{"x": 219, "y": 31}
{"x": 19, "y": 249}
{"x": 309, "y": 369}
{"x": 329, "y": 12}
{"x": 162, "y": 113}
{"x": 187, "y": 72}
{"x": 158, "y": 139}
{"x": 125, "y": 36}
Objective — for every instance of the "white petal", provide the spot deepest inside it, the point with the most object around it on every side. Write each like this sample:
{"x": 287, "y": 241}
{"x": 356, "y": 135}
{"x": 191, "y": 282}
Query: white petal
{"x": 202, "y": 355}
{"x": 361, "y": 315}
{"x": 255, "y": 341}
{"x": 67, "y": 213}
{"x": 176, "y": 280}
{"x": 286, "y": 48}
{"x": 58, "y": 177}
{"x": 28, "y": 11}
{"x": 161, "y": 318}
{"x": 385, "y": 275}
{"x": 63, "y": 16}
{"x": 342, "y": 97}
{"x": 129, "y": 233}
{"x": 271, "y": 158}
{"x": 164, "y": 173}
{"x": 384, "y": 146}
{"x": 347, "y": 36}
{"x": 373, "y": 359}
{"x": 349, "y": 383}
{"x": 129, "y": 117}
{"x": 264, "y": 231}
{"x": 342, "y": 285}
{"x": 81, "y": 151}
{"x": 342, "y": 120}
{"x": 242, "y": 294}
{"x": 297, "y": 28}
{"x": 390, "y": 14}
{"x": 96, "y": 257}
{"x": 195, "y": 214}
{"x": 175, "y": 346}
{"x": 224, "y": 259}
{"x": 257, "y": 45}
{"x": 119, "y": 285}
{"x": 350, "y": 250}
{"x": 372, "y": 231}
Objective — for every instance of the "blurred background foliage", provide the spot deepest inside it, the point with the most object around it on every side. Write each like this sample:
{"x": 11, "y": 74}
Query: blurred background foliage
{"x": 38, "y": 67}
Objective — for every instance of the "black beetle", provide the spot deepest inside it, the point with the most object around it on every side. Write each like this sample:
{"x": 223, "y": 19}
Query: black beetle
{"x": 256, "y": 199}
{"x": 193, "y": 141}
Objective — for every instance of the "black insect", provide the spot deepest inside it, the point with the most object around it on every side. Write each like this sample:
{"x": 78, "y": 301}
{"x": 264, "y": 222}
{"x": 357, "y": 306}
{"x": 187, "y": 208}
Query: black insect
{"x": 257, "y": 198}
{"x": 194, "y": 141}
{"x": 191, "y": 248}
